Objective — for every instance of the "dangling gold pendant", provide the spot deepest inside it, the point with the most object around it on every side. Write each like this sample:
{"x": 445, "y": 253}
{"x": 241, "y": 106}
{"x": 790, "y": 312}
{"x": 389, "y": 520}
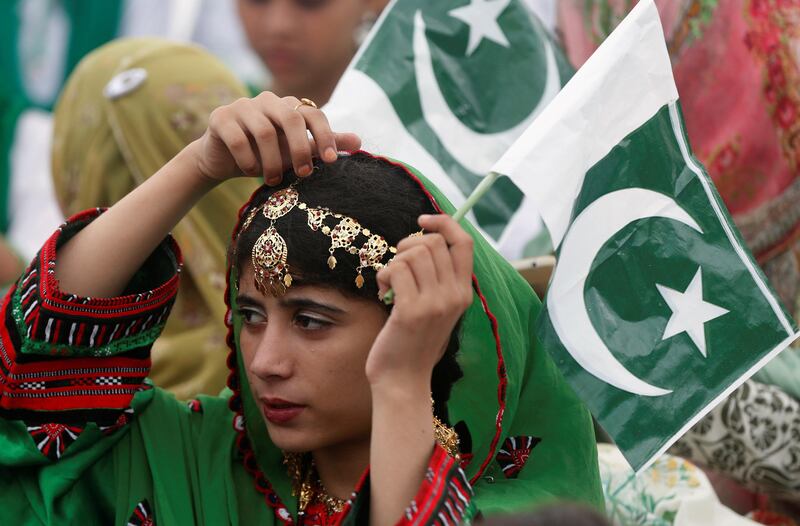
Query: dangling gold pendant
{"x": 331, "y": 262}
{"x": 287, "y": 280}
{"x": 359, "y": 281}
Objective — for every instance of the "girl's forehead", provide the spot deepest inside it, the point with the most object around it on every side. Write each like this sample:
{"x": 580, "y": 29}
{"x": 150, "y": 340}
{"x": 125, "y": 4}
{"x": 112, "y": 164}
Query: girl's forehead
{"x": 320, "y": 291}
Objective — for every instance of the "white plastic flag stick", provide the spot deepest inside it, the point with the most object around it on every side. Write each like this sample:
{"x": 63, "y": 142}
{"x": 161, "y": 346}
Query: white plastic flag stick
{"x": 475, "y": 196}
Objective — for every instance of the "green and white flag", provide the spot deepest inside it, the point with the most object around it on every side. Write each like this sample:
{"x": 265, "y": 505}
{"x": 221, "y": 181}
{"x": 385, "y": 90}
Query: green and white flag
{"x": 449, "y": 86}
{"x": 656, "y": 311}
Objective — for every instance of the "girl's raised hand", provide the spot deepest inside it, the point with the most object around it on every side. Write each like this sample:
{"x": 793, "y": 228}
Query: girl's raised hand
{"x": 431, "y": 276}
{"x": 266, "y": 135}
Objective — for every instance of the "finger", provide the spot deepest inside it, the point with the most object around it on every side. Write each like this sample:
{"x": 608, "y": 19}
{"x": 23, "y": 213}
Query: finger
{"x": 420, "y": 261}
{"x": 459, "y": 242}
{"x": 265, "y": 140}
{"x": 237, "y": 143}
{"x": 384, "y": 280}
{"x": 403, "y": 283}
{"x": 324, "y": 138}
{"x": 292, "y": 126}
{"x": 439, "y": 251}
{"x": 346, "y": 141}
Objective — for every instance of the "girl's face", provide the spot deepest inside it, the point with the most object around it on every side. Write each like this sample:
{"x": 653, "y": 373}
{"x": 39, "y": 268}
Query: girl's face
{"x": 304, "y": 42}
{"x": 304, "y": 354}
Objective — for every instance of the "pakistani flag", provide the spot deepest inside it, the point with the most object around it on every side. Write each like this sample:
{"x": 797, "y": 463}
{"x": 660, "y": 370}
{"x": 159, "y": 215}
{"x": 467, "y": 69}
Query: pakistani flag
{"x": 656, "y": 311}
{"x": 450, "y": 85}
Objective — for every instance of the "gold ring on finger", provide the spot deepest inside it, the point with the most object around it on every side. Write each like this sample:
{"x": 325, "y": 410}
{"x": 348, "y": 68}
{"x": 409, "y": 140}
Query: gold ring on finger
{"x": 306, "y": 102}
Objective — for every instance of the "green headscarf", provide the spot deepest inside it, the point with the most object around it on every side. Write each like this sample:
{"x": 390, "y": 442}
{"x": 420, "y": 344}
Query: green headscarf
{"x": 111, "y": 135}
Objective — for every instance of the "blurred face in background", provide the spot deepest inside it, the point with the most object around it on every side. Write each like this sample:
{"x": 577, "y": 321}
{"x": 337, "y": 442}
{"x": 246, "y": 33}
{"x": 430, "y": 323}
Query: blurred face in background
{"x": 306, "y": 44}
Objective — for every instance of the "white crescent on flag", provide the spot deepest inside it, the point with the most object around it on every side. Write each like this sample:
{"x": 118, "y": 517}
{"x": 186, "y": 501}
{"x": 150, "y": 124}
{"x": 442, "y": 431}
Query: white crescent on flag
{"x": 475, "y": 151}
{"x": 566, "y": 305}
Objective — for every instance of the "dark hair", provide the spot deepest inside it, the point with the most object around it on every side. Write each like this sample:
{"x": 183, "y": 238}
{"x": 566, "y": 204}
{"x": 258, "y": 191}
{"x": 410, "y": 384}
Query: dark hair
{"x": 383, "y": 198}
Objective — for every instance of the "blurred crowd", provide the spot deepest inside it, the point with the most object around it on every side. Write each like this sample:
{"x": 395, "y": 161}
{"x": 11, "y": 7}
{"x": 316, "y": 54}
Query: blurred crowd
{"x": 65, "y": 146}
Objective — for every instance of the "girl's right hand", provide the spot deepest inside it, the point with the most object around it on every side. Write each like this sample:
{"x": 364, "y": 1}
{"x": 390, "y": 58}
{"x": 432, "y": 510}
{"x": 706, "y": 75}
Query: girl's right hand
{"x": 264, "y": 136}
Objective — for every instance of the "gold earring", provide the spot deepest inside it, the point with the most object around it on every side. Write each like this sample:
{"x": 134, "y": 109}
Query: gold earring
{"x": 446, "y": 436}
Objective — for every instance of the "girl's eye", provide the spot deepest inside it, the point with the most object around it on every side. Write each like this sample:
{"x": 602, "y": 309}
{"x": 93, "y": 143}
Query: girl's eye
{"x": 251, "y": 316}
{"x": 310, "y": 323}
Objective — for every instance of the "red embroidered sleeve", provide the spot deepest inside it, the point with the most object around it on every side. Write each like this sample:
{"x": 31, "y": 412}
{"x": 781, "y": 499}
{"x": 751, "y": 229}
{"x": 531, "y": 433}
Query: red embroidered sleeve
{"x": 68, "y": 359}
{"x": 444, "y": 496}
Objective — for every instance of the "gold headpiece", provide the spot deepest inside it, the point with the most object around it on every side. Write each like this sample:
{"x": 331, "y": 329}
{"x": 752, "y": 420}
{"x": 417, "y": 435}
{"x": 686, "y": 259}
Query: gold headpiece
{"x": 270, "y": 253}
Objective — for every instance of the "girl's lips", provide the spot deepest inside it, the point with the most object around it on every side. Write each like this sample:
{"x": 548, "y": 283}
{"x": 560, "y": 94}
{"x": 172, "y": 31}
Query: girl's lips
{"x": 279, "y": 411}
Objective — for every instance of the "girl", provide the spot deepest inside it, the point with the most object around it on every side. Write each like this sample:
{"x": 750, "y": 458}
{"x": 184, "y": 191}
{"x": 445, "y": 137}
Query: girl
{"x": 341, "y": 409}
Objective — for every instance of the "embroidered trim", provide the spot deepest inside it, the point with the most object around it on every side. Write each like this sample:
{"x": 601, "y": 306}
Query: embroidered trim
{"x": 142, "y": 515}
{"x": 445, "y": 494}
{"x": 514, "y": 454}
{"x": 109, "y": 306}
{"x": 45, "y": 384}
{"x": 106, "y": 339}
{"x": 53, "y": 439}
{"x": 82, "y": 338}
{"x": 125, "y": 417}
{"x": 71, "y": 325}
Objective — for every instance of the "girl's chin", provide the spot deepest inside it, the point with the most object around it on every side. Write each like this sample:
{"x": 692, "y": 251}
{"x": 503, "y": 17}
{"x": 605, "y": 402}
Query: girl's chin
{"x": 292, "y": 440}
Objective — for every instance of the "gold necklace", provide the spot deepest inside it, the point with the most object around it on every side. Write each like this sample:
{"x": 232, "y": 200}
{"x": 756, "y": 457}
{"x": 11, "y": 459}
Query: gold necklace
{"x": 332, "y": 504}
{"x": 307, "y": 487}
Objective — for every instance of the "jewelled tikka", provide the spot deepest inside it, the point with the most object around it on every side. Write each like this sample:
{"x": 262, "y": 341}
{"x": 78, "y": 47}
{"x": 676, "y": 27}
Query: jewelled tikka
{"x": 270, "y": 252}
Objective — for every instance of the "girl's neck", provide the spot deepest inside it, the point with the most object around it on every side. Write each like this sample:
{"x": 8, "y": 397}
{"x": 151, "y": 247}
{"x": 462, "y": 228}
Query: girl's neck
{"x": 340, "y": 467}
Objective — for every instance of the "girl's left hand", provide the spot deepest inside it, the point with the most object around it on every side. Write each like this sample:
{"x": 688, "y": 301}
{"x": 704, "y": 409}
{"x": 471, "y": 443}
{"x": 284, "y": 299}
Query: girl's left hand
{"x": 431, "y": 276}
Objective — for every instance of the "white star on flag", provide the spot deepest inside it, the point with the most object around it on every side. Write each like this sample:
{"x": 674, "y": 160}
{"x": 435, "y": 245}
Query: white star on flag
{"x": 481, "y": 17}
{"x": 689, "y": 311}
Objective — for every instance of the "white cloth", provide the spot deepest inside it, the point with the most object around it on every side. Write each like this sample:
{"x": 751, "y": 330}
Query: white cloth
{"x": 671, "y": 492}
{"x": 32, "y": 207}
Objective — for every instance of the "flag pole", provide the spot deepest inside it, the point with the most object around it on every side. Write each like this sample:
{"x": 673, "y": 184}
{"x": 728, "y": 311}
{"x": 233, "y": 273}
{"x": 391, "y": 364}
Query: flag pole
{"x": 476, "y": 195}
{"x": 459, "y": 214}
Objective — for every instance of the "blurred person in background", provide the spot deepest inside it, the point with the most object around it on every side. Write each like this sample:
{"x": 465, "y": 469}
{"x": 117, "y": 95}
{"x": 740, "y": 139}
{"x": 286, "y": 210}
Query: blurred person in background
{"x": 307, "y": 44}
{"x": 127, "y": 109}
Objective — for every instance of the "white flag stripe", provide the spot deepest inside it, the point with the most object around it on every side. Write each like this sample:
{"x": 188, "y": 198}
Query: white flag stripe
{"x": 741, "y": 251}
{"x": 549, "y": 161}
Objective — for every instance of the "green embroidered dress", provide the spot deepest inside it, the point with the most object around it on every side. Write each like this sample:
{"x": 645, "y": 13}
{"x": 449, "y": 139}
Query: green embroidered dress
{"x": 86, "y": 439}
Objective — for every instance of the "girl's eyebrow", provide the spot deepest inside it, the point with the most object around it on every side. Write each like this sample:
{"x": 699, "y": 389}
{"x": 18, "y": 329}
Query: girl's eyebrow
{"x": 292, "y": 302}
{"x": 244, "y": 299}
{"x": 301, "y": 302}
